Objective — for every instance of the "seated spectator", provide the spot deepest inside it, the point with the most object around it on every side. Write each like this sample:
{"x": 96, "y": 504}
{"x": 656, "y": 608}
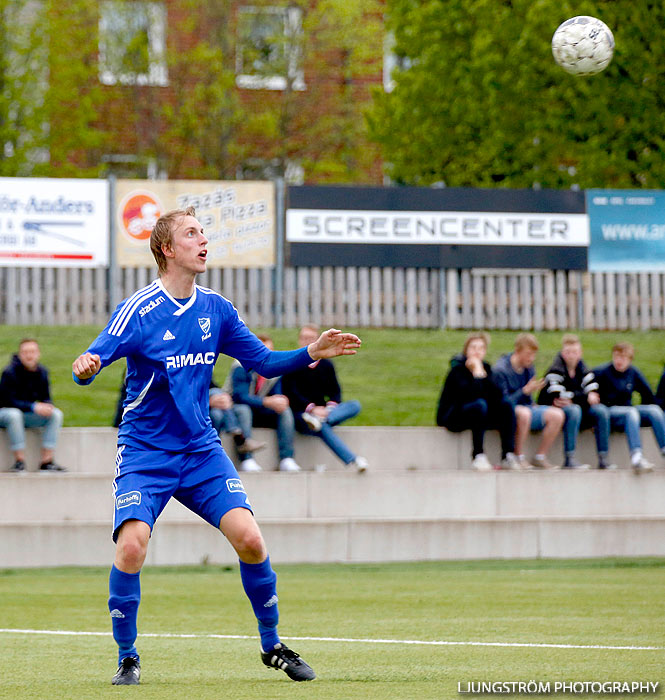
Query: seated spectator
{"x": 224, "y": 418}
{"x": 25, "y": 402}
{"x": 515, "y": 376}
{"x": 660, "y": 391}
{"x": 571, "y": 387}
{"x": 259, "y": 402}
{"x": 617, "y": 380}
{"x": 120, "y": 403}
{"x": 470, "y": 400}
{"x": 315, "y": 397}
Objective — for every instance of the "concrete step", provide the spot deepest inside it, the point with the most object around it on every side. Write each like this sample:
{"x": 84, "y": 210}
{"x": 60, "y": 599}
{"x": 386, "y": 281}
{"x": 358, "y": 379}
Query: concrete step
{"x": 345, "y": 540}
{"x": 60, "y": 498}
{"x": 92, "y": 450}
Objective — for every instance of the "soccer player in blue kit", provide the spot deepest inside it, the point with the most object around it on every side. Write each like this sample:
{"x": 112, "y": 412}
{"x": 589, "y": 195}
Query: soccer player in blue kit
{"x": 171, "y": 333}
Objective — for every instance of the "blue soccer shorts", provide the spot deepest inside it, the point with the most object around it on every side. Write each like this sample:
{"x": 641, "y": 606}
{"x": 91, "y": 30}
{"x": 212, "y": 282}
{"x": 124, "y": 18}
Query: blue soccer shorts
{"x": 146, "y": 479}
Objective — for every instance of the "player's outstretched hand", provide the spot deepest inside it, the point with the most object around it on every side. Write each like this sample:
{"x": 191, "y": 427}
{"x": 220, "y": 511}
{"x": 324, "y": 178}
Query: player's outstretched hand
{"x": 332, "y": 343}
{"x": 86, "y": 366}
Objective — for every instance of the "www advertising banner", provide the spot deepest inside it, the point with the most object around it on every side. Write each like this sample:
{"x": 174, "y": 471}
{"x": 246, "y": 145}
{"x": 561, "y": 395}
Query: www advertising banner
{"x": 238, "y": 219}
{"x": 54, "y": 222}
{"x": 627, "y": 230}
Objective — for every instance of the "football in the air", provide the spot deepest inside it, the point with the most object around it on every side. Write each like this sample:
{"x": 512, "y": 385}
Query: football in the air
{"x": 583, "y": 45}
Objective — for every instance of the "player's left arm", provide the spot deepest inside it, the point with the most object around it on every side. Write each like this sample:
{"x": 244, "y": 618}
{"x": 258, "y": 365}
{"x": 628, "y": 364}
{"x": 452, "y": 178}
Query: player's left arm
{"x": 236, "y": 340}
{"x": 332, "y": 343}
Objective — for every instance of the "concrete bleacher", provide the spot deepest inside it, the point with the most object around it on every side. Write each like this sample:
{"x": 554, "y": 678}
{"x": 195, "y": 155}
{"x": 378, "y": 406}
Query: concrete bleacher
{"x": 420, "y": 500}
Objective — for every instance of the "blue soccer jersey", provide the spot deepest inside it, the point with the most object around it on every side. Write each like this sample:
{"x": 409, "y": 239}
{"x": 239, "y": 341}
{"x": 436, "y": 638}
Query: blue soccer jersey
{"x": 171, "y": 349}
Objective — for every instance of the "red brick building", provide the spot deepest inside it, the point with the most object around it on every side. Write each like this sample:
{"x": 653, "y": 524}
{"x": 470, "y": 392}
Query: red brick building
{"x": 235, "y": 89}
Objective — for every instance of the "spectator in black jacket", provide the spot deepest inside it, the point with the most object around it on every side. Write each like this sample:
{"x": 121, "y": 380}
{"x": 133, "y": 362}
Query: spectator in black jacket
{"x": 315, "y": 398}
{"x": 660, "y": 391}
{"x": 470, "y": 400}
{"x": 25, "y": 402}
{"x": 617, "y": 381}
{"x": 573, "y": 388}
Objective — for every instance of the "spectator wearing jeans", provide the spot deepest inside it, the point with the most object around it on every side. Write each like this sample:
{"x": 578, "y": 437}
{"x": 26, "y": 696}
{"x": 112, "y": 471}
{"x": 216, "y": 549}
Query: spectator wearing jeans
{"x": 224, "y": 418}
{"x": 25, "y": 402}
{"x": 617, "y": 380}
{"x": 515, "y": 376}
{"x": 573, "y": 388}
{"x": 316, "y": 400}
{"x": 259, "y": 402}
{"x": 470, "y": 400}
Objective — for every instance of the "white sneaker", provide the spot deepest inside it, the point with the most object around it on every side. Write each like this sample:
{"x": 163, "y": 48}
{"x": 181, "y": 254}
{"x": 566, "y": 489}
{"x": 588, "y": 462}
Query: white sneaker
{"x": 511, "y": 462}
{"x": 360, "y": 464}
{"x": 249, "y": 465}
{"x": 481, "y": 463}
{"x": 313, "y": 423}
{"x": 288, "y": 464}
{"x": 642, "y": 466}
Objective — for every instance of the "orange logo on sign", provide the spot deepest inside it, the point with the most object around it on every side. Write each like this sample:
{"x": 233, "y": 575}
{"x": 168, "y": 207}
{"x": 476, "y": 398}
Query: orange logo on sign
{"x": 140, "y": 211}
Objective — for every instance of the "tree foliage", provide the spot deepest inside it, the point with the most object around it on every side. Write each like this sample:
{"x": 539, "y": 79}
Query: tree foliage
{"x": 478, "y": 100}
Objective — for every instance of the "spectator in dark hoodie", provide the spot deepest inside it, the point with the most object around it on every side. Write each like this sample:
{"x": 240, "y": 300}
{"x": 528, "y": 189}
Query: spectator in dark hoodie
{"x": 617, "y": 381}
{"x": 25, "y": 402}
{"x": 471, "y": 401}
{"x": 573, "y": 388}
{"x": 515, "y": 376}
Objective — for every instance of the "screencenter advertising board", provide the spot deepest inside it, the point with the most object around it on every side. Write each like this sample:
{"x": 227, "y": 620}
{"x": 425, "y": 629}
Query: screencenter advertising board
{"x": 445, "y": 228}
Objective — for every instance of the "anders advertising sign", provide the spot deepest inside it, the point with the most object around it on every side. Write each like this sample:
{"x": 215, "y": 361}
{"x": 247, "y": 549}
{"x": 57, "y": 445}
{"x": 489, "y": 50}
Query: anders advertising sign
{"x": 237, "y": 217}
{"x": 48, "y": 222}
{"x": 449, "y": 228}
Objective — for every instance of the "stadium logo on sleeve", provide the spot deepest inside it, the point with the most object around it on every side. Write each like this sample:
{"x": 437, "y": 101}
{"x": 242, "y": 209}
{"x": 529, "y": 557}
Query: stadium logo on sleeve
{"x": 133, "y": 498}
{"x": 138, "y": 212}
{"x": 235, "y": 485}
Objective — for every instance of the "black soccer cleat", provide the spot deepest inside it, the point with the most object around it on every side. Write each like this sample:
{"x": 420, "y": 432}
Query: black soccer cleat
{"x": 129, "y": 672}
{"x": 282, "y": 658}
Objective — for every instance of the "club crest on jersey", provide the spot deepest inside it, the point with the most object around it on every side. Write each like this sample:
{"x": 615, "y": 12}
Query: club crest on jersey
{"x": 204, "y": 325}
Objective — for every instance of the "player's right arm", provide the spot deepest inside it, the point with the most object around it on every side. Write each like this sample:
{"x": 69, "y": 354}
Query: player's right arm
{"x": 120, "y": 338}
{"x": 85, "y": 367}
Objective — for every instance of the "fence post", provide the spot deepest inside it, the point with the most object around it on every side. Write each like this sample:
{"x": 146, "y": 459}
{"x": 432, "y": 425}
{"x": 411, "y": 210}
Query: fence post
{"x": 113, "y": 277}
{"x": 280, "y": 217}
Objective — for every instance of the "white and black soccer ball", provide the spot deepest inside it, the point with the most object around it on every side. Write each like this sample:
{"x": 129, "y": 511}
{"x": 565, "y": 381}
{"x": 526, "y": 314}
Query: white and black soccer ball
{"x": 583, "y": 45}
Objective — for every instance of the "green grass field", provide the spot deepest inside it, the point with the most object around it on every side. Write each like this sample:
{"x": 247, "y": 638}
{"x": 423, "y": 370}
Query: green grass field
{"x": 504, "y": 604}
{"x": 397, "y": 375}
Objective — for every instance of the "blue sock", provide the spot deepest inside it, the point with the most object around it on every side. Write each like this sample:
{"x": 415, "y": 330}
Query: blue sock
{"x": 124, "y": 599}
{"x": 259, "y": 582}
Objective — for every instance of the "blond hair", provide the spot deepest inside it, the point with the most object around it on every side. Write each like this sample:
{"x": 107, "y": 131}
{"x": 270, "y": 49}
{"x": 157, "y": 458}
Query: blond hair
{"x": 526, "y": 340}
{"x": 162, "y": 234}
{"x": 570, "y": 339}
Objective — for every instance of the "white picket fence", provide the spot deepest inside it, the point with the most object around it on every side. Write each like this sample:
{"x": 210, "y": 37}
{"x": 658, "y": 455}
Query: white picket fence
{"x": 358, "y": 297}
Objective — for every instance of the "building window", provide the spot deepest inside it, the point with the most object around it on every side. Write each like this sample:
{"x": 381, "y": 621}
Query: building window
{"x": 260, "y": 169}
{"x": 392, "y": 63}
{"x": 132, "y": 43}
{"x": 269, "y": 48}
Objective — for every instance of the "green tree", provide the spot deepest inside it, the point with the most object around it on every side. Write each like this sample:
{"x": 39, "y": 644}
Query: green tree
{"x": 478, "y": 100}
{"x": 23, "y": 78}
{"x": 316, "y": 120}
{"x": 202, "y": 119}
